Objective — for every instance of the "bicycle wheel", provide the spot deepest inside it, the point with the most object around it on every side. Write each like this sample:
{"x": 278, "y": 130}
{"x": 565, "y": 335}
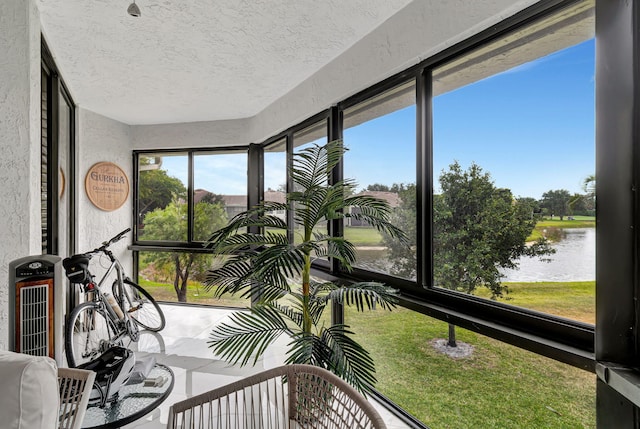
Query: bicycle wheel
{"x": 148, "y": 342}
{"x": 140, "y": 306}
{"x": 88, "y": 334}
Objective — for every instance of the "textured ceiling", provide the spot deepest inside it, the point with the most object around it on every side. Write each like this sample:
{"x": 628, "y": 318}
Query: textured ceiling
{"x": 198, "y": 60}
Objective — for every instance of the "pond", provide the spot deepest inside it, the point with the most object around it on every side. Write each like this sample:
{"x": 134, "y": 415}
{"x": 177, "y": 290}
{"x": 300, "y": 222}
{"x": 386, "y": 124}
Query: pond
{"x": 574, "y": 260}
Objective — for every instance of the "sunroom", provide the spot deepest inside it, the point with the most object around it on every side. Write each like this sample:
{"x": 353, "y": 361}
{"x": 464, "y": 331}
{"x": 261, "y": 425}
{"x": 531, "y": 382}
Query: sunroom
{"x": 206, "y": 103}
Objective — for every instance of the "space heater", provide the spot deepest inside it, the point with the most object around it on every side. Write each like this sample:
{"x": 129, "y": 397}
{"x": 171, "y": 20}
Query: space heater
{"x": 36, "y": 306}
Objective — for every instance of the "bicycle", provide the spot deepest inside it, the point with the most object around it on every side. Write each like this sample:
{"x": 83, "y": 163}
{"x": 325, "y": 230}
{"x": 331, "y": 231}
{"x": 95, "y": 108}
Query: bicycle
{"x": 104, "y": 319}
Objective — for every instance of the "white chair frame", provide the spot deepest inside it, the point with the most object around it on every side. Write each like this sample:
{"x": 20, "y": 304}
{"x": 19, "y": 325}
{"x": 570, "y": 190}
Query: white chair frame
{"x": 75, "y": 389}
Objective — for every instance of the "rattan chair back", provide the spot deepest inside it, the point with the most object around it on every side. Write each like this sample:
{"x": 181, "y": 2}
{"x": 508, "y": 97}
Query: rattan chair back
{"x": 289, "y": 396}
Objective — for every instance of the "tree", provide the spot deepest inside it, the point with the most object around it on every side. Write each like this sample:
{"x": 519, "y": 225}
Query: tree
{"x": 156, "y": 189}
{"x": 478, "y": 229}
{"x": 170, "y": 224}
{"x": 556, "y": 202}
{"x": 378, "y": 187}
{"x": 404, "y": 217}
{"x": 589, "y": 185}
{"x": 276, "y": 273}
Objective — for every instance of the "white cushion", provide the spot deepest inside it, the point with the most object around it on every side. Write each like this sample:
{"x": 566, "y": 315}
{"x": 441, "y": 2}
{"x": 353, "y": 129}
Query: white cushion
{"x": 29, "y": 394}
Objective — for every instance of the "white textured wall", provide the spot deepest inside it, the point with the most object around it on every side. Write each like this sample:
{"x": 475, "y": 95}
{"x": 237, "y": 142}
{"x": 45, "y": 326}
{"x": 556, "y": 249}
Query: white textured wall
{"x": 103, "y": 139}
{"x": 192, "y": 134}
{"x": 20, "y": 233}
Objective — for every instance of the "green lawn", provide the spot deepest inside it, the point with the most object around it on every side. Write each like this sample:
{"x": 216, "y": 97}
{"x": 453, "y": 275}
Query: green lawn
{"x": 574, "y": 300}
{"x": 498, "y": 386}
{"x": 363, "y": 236}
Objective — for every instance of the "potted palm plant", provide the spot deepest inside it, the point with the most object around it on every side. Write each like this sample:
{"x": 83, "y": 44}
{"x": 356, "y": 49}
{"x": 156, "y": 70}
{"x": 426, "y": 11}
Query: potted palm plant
{"x": 276, "y": 272}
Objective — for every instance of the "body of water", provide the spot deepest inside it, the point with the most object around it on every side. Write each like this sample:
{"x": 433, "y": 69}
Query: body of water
{"x": 574, "y": 260}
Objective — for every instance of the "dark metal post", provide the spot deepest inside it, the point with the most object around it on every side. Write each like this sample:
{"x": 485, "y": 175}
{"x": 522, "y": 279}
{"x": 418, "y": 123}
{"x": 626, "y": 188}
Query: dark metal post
{"x": 424, "y": 177}
{"x": 336, "y": 226}
{"x": 255, "y": 190}
{"x": 617, "y": 171}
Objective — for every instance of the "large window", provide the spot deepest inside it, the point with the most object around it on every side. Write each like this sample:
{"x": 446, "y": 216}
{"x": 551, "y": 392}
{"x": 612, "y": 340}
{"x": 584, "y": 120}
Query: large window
{"x": 380, "y": 135}
{"x": 183, "y": 197}
{"x": 514, "y": 168}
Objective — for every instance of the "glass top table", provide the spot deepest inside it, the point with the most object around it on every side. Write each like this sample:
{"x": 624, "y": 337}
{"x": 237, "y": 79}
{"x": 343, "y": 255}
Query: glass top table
{"x": 133, "y": 402}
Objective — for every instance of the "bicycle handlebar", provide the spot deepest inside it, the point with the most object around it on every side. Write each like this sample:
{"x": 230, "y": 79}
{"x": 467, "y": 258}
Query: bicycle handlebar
{"x": 118, "y": 237}
{"x": 106, "y": 244}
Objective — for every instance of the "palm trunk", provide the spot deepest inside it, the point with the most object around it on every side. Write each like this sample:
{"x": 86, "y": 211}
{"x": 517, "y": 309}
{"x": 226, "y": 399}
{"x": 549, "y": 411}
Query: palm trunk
{"x": 306, "y": 291}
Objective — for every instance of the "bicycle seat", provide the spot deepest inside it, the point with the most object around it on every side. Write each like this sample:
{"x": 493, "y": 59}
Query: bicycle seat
{"x": 77, "y": 268}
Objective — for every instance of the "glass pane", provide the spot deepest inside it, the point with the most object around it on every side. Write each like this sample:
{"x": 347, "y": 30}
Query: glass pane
{"x": 160, "y": 272}
{"x": 481, "y": 383}
{"x": 275, "y": 175}
{"x": 220, "y": 190}
{"x": 381, "y": 140}
{"x": 162, "y": 197}
{"x": 513, "y": 168}
{"x": 314, "y": 135}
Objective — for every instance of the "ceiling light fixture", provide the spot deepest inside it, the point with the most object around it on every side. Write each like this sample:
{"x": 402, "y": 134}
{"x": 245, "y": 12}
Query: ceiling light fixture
{"x": 133, "y": 9}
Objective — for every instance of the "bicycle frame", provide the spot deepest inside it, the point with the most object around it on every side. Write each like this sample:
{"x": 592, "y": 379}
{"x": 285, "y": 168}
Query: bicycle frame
{"x": 125, "y": 324}
{"x": 122, "y": 314}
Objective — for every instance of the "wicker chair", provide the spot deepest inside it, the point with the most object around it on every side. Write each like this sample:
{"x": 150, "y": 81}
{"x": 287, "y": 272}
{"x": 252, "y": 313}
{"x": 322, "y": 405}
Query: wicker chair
{"x": 75, "y": 389}
{"x": 289, "y": 396}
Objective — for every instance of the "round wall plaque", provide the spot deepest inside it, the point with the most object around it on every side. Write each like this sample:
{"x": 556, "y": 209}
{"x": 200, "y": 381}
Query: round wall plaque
{"x": 107, "y": 186}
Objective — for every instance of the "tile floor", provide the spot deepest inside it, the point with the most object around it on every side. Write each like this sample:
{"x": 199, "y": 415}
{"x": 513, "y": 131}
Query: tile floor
{"x": 182, "y": 346}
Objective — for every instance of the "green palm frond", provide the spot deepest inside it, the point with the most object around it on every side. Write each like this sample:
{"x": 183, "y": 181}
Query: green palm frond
{"x": 349, "y": 358}
{"x": 278, "y": 263}
{"x": 290, "y": 313}
{"x": 312, "y": 165}
{"x": 248, "y": 334}
{"x": 257, "y": 216}
{"x": 263, "y": 266}
{"x": 343, "y": 250}
{"x": 308, "y": 349}
{"x": 365, "y": 295}
{"x": 336, "y": 351}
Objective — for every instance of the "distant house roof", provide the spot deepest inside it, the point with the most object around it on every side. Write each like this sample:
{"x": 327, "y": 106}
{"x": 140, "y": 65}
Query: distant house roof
{"x": 199, "y": 194}
{"x": 390, "y": 197}
{"x": 275, "y": 196}
{"x": 239, "y": 200}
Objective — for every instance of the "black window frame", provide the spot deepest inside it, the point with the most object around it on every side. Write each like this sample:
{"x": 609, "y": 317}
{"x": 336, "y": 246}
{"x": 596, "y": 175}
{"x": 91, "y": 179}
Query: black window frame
{"x": 56, "y": 88}
{"x": 190, "y": 245}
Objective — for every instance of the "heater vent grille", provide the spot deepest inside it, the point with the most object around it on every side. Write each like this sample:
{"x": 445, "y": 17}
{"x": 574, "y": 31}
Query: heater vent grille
{"x": 34, "y": 320}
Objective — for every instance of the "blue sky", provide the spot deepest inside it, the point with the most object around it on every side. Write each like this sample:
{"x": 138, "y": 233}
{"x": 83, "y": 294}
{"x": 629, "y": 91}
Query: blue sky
{"x": 531, "y": 128}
